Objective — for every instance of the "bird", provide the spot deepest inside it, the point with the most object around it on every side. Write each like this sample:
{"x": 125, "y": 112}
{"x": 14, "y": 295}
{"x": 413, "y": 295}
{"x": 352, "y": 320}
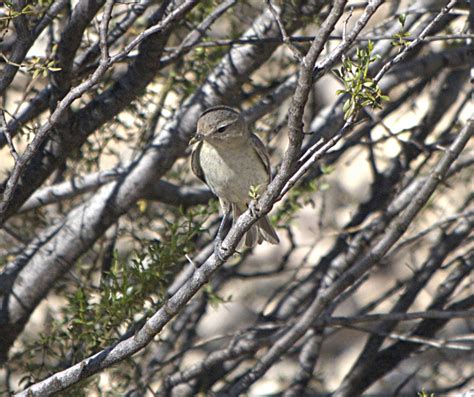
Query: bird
{"x": 233, "y": 162}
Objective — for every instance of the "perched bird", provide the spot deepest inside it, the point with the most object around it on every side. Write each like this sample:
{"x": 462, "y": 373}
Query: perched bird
{"x": 233, "y": 162}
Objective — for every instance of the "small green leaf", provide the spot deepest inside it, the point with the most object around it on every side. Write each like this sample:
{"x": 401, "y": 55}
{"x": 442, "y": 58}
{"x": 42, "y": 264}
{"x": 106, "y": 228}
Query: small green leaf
{"x": 254, "y": 192}
{"x": 402, "y": 18}
{"x": 346, "y": 106}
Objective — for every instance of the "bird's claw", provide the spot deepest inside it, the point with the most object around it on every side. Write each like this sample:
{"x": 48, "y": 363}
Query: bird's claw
{"x": 219, "y": 250}
{"x": 253, "y": 208}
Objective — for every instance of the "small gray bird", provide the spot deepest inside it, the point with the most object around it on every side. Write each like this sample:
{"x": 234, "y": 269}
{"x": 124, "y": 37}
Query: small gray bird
{"x": 232, "y": 162}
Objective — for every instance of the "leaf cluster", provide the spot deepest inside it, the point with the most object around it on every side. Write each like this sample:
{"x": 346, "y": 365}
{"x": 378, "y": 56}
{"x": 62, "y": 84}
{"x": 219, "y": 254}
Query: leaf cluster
{"x": 254, "y": 192}
{"x": 400, "y": 38}
{"x": 13, "y": 13}
{"x": 33, "y": 9}
{"x": 360, "y": 88}
{"x": 38, "y": 67}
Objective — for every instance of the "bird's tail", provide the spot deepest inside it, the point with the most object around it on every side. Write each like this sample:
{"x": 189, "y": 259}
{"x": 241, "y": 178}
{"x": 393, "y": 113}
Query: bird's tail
{"x": 261, "y": 231}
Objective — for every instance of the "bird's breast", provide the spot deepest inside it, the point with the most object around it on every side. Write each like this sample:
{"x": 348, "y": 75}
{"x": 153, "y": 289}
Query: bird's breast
{"x": 231, "y": 172}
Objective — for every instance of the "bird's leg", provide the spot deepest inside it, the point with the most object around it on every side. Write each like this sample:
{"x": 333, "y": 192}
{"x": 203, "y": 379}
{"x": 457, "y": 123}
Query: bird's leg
{"x": 254, "y": 209}
{"x": 223, "y": 229}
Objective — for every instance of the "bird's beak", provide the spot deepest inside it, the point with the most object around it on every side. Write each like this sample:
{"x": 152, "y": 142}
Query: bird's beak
{"x": 195, "y": 139}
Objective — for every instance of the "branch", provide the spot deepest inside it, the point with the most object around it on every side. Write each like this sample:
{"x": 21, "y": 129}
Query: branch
{"x": 284, "y": 90}
{"x": 25, "y": 40}
{"x": 309, "y": 39}
{"x": 6, "y": 133}
{"x": 242, "y": 347}
{"x": 286, "y": 39}
{"x": 389, "y": 317}
{"x": 436, "y": 225}
{"x": 41, "y": 101}
{"x": 384, "y": 360}
{"x": 69, "y": 43}
{"x": 307, "y": 359}
{"x": 344, "y": 253}
{"x": 190, "y": 41}
{"x": 416, "y": 340}
{"x": 404, "y": 53}
{"x": 162, "y": 191}
{"x": 62, "y": 191}
{"x": 62, "y": 107}
{"x": 52, "y": 11}
{"x": 119, "y": 29}
{"x": 83, "y": 120}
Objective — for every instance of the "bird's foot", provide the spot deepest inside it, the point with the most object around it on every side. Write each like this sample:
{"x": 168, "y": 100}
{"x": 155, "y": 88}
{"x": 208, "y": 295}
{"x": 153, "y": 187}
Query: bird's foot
{"x": 219, "y": 250}
{"x": 254, "y": 208}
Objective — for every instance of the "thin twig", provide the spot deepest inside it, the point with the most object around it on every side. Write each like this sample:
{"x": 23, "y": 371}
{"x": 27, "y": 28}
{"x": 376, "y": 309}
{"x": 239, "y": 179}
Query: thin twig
{"x": 434, "y": 226}
{"x": 437, "y": 343}
{"x": 6, "y": 133}
{"x": 190, "y": 41}
{"x": 308, "y": 39}
{"x": 389, "y": 317}
{"x": 403, "y": 54}
{"x": 103, "y": 31}
{"x": 286, "y": 39}
{"x": 344, "y": 26}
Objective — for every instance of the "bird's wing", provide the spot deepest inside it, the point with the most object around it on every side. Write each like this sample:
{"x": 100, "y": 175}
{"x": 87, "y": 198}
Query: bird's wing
{"x": 262, "y": 153}
{"x": 196, "y": 163}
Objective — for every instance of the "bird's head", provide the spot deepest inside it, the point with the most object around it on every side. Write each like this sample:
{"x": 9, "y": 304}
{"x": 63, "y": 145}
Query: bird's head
{"x": 220, "y": 123}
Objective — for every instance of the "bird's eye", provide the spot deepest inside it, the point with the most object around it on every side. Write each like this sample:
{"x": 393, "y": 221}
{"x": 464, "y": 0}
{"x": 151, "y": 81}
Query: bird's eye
{"x": 222, "y": 129}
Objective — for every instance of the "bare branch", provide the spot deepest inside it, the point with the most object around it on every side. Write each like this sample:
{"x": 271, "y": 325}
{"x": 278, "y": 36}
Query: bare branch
{"x": 73, "y": 94}
{"x": 4, "y": 131}
{"x": 191, "y": 40}
{"x": 403, "y": 54}
{"x": 65, "y": 190}
{"x": 162, "y": 191}
{"x": 383, "y": 317}
{"x": 286, "y": 39}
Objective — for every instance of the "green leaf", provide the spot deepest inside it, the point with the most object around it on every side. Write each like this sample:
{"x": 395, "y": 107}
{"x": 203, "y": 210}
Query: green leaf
{"x": 254, "y": 192}
{"x": 348, "y": 114}
{"x": 346, "y": 106}
{"x": 402, "y": 19}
